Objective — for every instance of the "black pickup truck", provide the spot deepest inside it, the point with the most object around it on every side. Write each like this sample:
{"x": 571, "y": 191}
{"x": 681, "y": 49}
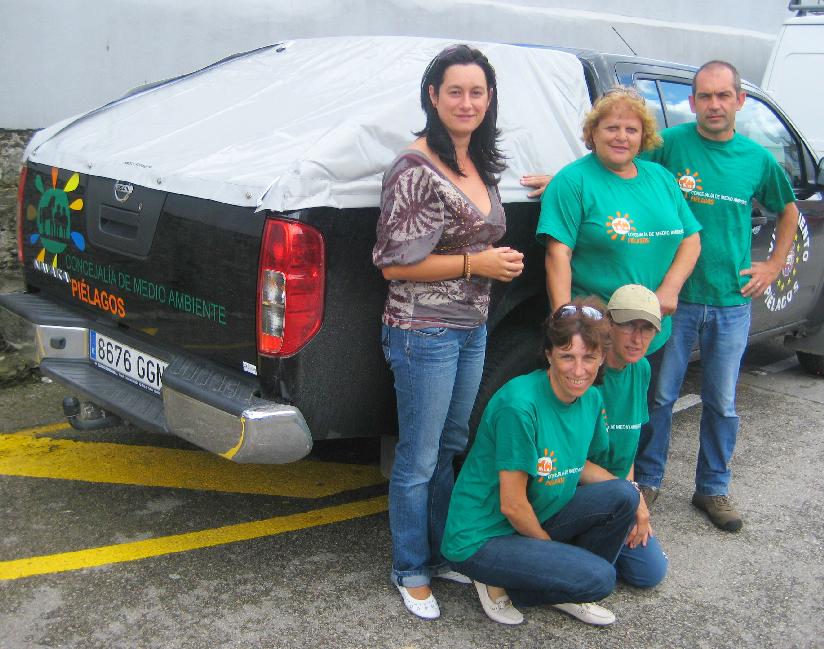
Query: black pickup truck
{"x": 183, "y": 298}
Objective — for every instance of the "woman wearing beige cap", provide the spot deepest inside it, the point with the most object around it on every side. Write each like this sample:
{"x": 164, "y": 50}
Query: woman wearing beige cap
{"x": 634, "y": 314}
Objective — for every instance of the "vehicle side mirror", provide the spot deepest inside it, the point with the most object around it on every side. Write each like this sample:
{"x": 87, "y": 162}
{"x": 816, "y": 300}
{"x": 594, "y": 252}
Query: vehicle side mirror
{"x": 819, "y": 173}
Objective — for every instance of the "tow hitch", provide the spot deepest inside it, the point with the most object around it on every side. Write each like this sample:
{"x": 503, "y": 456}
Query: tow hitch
{"x": 87, "y": 416}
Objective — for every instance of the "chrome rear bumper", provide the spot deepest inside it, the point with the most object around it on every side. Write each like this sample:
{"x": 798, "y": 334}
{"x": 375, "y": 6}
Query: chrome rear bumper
{"x": 205, "y": 404}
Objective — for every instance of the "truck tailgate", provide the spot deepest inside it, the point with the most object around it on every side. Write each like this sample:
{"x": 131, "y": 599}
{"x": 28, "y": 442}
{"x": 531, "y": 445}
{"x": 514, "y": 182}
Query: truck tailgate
{"x": 179, "y": 271}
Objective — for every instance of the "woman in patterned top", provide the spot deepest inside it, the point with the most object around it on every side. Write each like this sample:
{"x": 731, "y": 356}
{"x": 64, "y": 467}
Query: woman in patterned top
{"x": 440, "y": 216}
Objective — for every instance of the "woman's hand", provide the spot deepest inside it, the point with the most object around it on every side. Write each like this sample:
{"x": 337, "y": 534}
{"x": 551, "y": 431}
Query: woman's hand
{"x": 503, "y": 264}
{"x": 642, "y": 530}
{"x": 537, "y": 181}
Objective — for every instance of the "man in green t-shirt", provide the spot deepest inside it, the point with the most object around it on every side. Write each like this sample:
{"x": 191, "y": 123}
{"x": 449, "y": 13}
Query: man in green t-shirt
{"x": 720, "y": 173}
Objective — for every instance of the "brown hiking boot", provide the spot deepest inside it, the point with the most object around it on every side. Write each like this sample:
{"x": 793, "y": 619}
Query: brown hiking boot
{"x": 650, "y": 494}
{"x": 720, "y": 511}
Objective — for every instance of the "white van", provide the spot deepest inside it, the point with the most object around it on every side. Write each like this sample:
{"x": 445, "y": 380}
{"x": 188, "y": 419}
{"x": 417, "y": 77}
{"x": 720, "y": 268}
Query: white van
{"x": 794, "y": 72}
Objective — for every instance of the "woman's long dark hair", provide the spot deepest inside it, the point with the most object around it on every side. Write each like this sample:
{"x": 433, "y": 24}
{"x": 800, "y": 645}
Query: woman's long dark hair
{"x": 483, "y": 143}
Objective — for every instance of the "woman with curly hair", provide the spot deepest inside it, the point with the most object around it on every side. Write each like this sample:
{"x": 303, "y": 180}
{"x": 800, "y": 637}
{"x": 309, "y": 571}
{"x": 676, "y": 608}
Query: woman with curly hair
{"x": 440, "y": 216}
{"x": 611, "y": 219}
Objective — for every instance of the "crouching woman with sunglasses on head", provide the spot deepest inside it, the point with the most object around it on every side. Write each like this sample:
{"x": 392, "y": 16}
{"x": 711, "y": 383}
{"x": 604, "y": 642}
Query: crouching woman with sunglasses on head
{"x": 634, "y": 315}
{"x": 517, "y": 524}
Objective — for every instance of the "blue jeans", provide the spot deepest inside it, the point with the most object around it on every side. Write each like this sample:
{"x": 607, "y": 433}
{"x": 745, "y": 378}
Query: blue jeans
{"x": 654, "y": 360}
{"x": 576, "y": 565}
{"x": 643, "y": 566}
{"x": 721, "y": 333}
{"x": 437, "y": 374}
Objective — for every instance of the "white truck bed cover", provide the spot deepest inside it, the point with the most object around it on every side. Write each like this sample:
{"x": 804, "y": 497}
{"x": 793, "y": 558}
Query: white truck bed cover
{"x": 313, "y": 122}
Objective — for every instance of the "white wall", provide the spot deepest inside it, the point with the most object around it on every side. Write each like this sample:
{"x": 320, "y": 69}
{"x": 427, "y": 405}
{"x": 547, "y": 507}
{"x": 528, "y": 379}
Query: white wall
{"x": 61, "y": 57}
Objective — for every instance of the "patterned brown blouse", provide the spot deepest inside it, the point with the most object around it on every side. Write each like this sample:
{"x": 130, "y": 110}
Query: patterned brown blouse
{"x": 423, "y": 212}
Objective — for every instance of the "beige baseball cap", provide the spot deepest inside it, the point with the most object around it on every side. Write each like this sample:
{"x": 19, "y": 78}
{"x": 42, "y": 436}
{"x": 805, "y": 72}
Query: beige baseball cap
{"x": 635, "y": 302}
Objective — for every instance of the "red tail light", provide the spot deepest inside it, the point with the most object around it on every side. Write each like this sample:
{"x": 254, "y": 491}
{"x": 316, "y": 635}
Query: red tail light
{"x": 20, "y": 189}
{"x": 290, "y": 287}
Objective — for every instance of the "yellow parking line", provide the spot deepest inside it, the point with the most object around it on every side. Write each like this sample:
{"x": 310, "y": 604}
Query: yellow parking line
{"x": 136, "y": 550}
{"x": 148, "y": 466}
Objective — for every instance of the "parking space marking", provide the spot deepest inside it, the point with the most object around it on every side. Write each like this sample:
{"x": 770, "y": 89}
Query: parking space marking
{"x": 22, "y": 454}
{"x": 133, "y": 551}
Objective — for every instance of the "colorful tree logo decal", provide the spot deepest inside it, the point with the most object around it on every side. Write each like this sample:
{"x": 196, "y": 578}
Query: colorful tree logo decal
{"x": 53, "y": 215}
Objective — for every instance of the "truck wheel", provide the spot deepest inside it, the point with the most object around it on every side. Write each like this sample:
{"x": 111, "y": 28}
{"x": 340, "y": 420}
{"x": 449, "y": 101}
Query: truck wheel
{"x": 811, "y": 363}
{"x": 513, "y": 351}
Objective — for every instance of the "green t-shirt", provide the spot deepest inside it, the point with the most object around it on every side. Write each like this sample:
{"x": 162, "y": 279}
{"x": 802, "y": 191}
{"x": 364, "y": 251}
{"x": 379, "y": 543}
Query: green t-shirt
{"x": 621, "y": 230}
{"x": 719, "y": 181}
{"x": 625, "y": 400}
{"x": 525, "y": 427}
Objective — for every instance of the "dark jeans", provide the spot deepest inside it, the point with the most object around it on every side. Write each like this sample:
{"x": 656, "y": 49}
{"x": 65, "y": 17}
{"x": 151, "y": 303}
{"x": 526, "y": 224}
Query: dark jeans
{"x": 655, "y": 360}
{"x": 643, "y": 566}
{"x": 721, "y": 332}
{"x": 577, "y": 564}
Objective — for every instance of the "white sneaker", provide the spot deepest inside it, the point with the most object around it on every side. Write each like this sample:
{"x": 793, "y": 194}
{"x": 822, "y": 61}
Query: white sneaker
{"x": 427, "y": 609}
{"x": 453, "y": 575}
{"x": 588, "y": 612}
{"x": 501, "y": 610}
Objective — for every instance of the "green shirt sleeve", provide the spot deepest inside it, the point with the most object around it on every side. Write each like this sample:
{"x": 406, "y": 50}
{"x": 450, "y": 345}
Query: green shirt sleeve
{"x": 514, "y": 433}
{"x": 775, "y": 190}
{"x": 561, "y": 211}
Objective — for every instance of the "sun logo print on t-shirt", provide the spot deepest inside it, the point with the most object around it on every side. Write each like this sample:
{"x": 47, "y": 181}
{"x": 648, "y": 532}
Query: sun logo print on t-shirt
{"x": 689, "y": 181}
{"x": 619, "y": 225}
{"x": 546, "y": 464}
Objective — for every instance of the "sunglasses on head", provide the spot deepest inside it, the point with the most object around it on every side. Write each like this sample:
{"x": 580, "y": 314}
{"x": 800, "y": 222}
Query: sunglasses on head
{"x": 569, "y": 311}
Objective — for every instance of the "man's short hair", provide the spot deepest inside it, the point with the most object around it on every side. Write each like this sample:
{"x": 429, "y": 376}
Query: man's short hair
{"x": 736, "y": 77}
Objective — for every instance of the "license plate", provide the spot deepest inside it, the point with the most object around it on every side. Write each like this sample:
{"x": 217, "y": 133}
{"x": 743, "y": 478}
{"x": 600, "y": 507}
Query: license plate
{"x": 126, "y": 362}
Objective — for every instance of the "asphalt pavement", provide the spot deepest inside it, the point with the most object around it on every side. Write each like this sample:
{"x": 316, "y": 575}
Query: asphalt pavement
{"x": 143, "y": 541}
